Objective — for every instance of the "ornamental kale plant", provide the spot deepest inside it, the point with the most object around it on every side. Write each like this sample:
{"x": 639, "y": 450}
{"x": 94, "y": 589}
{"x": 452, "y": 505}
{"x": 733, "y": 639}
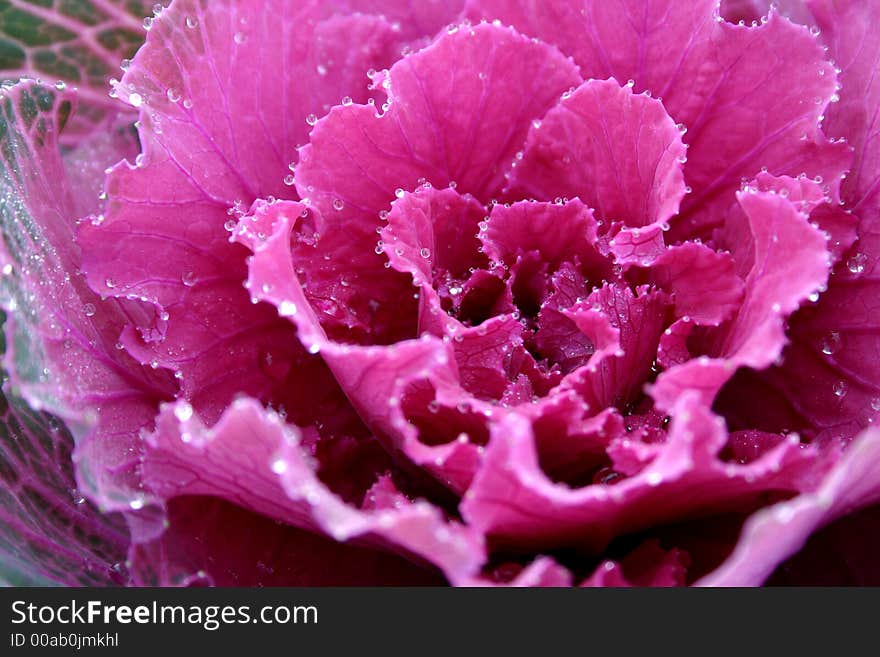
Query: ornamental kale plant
{"x": 476, "y": 292}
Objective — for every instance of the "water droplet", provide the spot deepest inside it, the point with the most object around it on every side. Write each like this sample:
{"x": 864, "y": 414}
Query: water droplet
{"x": 188, "y": 278}
{"x": 287, "y": 309}
{"x": 191, "y": 22}
{"x": 831, "y": 343}
{"x": 289, "y": 180}
{"x": 240, "y": 38}
{"x": 148, "y": 23}
{"x": 346, "y": 100}
{"x": 839, "y": 389}
{"x": 785, "y": 513}
{"x": 856, "y": 263}
{"x": 110, "y": 283}
{"x": 425, "y": 253}
{"x": 136, "y": 100}
{"x": 311, "y": 119}
{"x": 173, "y": 96}
{"x": 89, "y": 309}
{"x": 183, "y": 411}
{"x": 338, "y": 204}
{"x": 279, "y": 466}
{"x": 322, "y": 70}
{"x": 399, "y": 192}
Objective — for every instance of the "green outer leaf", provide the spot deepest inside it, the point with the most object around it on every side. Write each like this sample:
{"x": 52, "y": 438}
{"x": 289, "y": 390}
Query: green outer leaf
{"x": 50, "y": 534}
{"x": 26, "y": 117}
{"x": 80, "y": 42}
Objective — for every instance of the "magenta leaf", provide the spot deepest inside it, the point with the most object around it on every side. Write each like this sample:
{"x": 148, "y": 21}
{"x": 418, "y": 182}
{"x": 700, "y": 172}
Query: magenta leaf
{"x": 252, "y": 459}
{"x": 195, "y": 550}
{"x": 231, "y": 132}
{"x": 647, "y": 565}
{"x": 560, "y": 233}
{"x": 639, "y": 318}
{"x": 657, "y": 43}
{"x": 745, "y": 100}
{"x": 703, "y": 283}
{"x": 195, "y": 168}
{"x": 61, "y": 336}
{"x": 775, "y": 533}
{"x": 477, "y": 121}
{"x": 832, "y": 341}
{"x": 517, "y": 506}
{"x": 777, "y": 281}
{"x": 582, "y": 148}
{"x": 412, "y": 19}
